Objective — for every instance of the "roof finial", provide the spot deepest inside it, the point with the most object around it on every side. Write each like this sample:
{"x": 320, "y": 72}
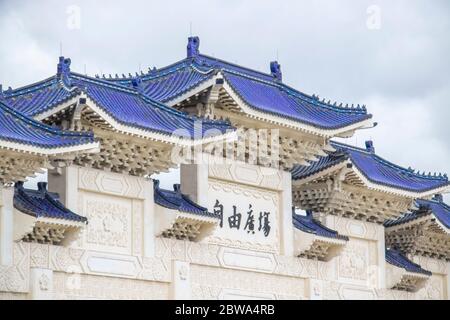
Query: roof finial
{"x": 369, "y": 146}
{"x": 438, "y": 197}
{"x": 275, "y": 70}
{"x": 137, "y": 84}
{"x": 63, "y": 70}
{"x": 193, "y": 47}
{"x": 177, "y": 188}
{"x": 42, "y": 187}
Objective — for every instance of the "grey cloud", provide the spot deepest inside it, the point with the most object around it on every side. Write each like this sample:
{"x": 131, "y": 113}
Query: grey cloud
{"x": 402, "y": 71}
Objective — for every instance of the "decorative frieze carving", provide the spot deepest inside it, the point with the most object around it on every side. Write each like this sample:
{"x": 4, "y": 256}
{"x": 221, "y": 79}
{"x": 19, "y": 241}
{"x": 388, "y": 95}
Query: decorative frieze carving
{"x": 205, "y": 284}
{"x": 353, "y": 261}
{"x": 15, "y": 278}
{"x": 109, "y": 225}
{"x": 77, "y": 272}
{"x": 99, "y": 287}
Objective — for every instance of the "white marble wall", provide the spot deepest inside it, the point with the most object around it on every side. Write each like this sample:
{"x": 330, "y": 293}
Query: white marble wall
{"x": 119, "y": 257}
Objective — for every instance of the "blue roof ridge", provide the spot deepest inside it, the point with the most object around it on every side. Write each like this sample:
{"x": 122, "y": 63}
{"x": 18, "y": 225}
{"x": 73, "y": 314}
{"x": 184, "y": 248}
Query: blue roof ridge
{"x": 438, "y": 202}
{"x": 110, "y": 84}
{"x": 158, "y": 191}
{"x": 44, "y": 194}
{"x": 201, "y": 55}
{"x": 45, "y": 127}
{"x": 391, "y": 254}
{"x": 310, "y": 217}
{"x": 408, "y": 171}
{"x": 150, "y": 74}
{"x": 30, "y": 88}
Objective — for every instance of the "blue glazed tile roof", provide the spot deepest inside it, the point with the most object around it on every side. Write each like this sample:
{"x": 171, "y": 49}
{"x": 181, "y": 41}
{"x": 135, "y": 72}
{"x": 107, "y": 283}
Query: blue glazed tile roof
{"x": 301, "y": 172}
{"x": 18, "y": 128}
{"x": 175, "y": 200}
{"x": 397, "y": 259}
{"x": 439, "y": 209}
{"x": 42, "y": 204}
{"x": 375, "y": 169}
{"x": 310, "y": 225}
{"x": 128, "y": 105}
{"x": 39, "y": 97}
{"x": 277, "y": 99}
{"x": 261, "y": 91}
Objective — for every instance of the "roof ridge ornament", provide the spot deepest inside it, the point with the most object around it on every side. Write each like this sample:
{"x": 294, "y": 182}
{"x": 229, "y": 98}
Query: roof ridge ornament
{"x": 193, "y": 47}
{"x": 42, "y": 187}
{"x": 275, "y": 70}
{"x": 177, "y": 188}
{"x": 369, "y": 146}
{"x": 63, "y": 71}
{"x": 137, "y": 84}
{"x": 438, "y": 197}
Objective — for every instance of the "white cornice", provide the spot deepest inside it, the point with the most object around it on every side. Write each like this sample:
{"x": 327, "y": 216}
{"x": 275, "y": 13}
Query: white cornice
{"x": 35, "y": 150}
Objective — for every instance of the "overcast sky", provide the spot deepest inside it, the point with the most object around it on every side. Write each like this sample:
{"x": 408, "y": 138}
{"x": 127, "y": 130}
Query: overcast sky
{"x": 392, "y": 56}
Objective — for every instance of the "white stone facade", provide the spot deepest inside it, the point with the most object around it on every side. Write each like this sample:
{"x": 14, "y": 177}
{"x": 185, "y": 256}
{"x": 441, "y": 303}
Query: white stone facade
{"x": 118, "y": 255}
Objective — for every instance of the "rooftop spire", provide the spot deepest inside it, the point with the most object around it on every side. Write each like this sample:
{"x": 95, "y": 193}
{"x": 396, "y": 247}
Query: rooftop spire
{"x": 275, "y": 70}
{"x": 193, "y": 47}
{"x": 369, "y": 146}
{"x": 63, "y": 70}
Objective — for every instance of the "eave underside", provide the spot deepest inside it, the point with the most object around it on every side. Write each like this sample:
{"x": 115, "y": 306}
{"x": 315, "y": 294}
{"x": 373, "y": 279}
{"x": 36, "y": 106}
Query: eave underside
{"x": 342, "y": 199}
{"x": 424, "y": 238}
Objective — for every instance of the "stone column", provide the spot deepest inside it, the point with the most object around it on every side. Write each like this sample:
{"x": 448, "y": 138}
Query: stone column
{"x": 65, "y": 183}
{"x": 381, "y": 245}
{"x": 194, "y": 182}
{"x": 448, "y": 281}
{"x": 149, "y": 220}
{"x": 6, "y": 225}
{"x": 287, "y": 229}
{"x": 41, "y": 284}
{"x": 180, "y": 287}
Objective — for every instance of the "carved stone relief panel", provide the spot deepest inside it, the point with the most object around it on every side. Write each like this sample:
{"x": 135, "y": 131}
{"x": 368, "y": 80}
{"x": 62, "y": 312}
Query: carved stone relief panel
{"x": 110, "y": 223}
{"x": 354, "y": 261}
